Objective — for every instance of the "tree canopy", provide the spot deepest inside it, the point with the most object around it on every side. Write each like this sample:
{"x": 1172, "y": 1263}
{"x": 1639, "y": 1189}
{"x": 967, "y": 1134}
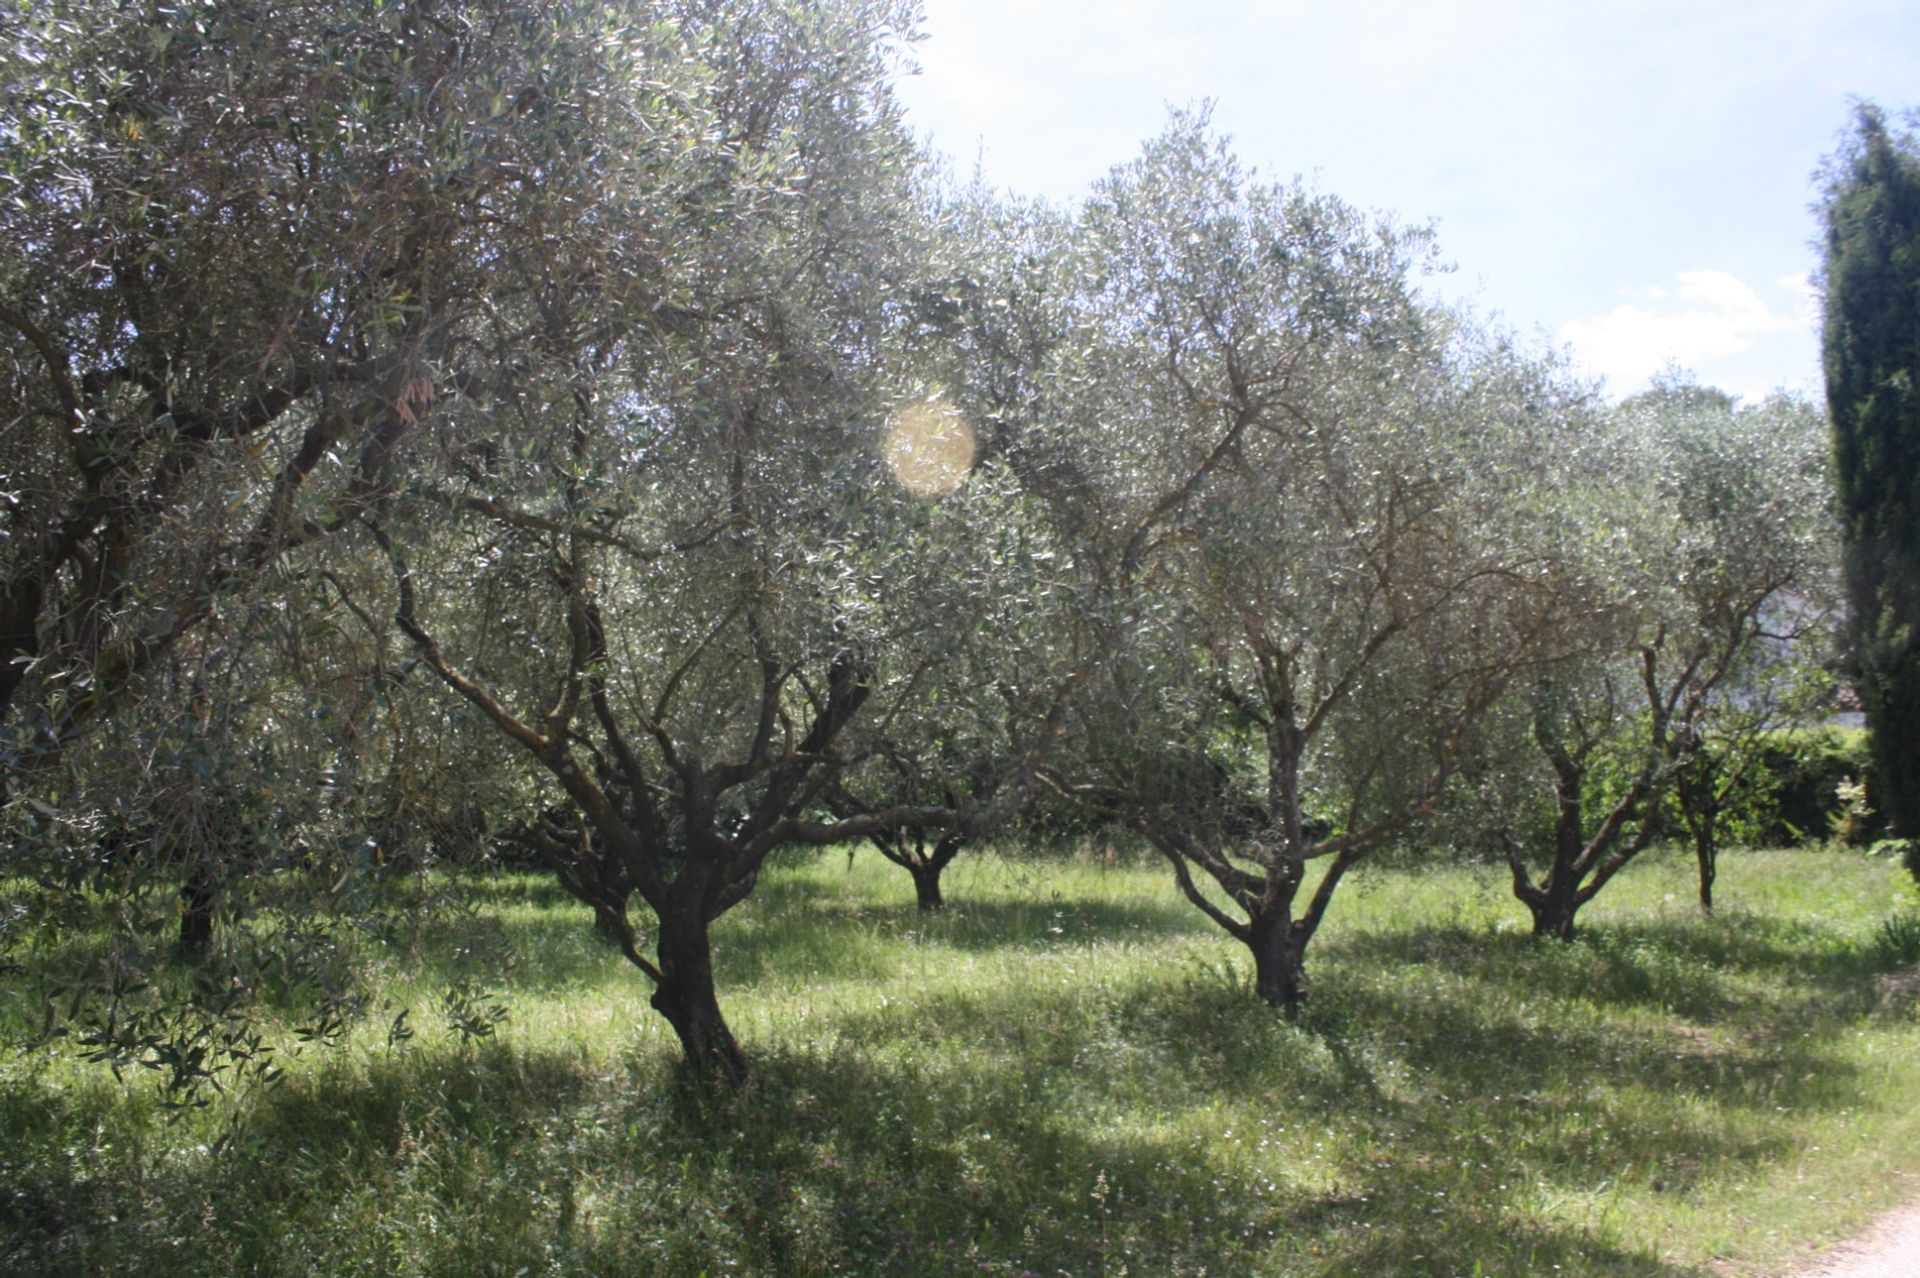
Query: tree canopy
{"x": 1871, "y": 347}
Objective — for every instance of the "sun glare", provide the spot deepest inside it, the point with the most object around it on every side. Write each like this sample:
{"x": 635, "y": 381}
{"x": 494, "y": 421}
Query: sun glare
{"x": 929, "y": 447}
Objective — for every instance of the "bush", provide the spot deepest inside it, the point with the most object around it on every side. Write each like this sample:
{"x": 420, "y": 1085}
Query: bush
{"x": 1808, "y": 768}
{"x": 1897, "y": 943}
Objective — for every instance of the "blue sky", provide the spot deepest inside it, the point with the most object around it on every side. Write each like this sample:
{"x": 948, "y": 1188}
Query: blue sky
{"x": 1631, "y": 180}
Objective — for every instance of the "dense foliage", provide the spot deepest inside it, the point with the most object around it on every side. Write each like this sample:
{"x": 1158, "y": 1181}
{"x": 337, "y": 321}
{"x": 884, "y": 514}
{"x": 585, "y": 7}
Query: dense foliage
{"x": 1872, "y": 354}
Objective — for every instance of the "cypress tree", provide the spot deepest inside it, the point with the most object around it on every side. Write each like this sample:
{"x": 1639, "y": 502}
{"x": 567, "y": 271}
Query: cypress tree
{"x": 1871, "y": 349}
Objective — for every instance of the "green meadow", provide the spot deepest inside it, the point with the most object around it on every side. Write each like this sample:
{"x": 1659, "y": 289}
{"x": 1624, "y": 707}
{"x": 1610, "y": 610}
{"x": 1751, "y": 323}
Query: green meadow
{"x": 1066, "y": 1073}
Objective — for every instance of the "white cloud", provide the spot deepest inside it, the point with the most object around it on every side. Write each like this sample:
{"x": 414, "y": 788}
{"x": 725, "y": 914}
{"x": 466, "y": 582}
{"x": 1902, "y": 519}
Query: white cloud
{"x": 1806, "y": 296}
{"x": 1710, "y": 316}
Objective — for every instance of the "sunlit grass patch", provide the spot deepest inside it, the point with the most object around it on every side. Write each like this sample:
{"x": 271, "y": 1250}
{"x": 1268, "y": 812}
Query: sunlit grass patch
{"x": 1065, "y": 1072}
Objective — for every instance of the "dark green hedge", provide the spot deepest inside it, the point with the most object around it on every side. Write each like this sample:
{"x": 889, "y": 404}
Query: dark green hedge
{"x": 1807, "y": 767}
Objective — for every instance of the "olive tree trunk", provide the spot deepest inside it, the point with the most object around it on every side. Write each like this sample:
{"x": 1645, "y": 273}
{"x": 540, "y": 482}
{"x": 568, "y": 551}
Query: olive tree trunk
{"x": 685, "y": 995}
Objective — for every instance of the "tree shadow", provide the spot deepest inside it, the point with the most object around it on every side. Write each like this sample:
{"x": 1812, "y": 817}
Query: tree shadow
{"x": 793, "y": 927}
{"x": 1163, "y": 1120}
{"x": 1533, "y": 1101}
{"x": 796, "y": 927}
{"x": 1706, "y": 970}
{"x": 986, "y": 1146}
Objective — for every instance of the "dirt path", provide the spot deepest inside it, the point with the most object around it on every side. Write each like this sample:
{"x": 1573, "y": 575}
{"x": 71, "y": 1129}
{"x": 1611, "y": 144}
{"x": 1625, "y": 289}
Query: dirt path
{"x": 1890, "y": 1249}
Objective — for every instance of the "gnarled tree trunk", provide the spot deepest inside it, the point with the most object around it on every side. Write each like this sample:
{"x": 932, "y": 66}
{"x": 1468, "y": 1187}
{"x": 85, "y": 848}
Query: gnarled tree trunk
{"x": 926, "y": 885}
{"x": 1279, "y": 964}
{"x": 1556, "y": 900}
{"x": 686, "y": 996}
{"x": 1553, "y": 910}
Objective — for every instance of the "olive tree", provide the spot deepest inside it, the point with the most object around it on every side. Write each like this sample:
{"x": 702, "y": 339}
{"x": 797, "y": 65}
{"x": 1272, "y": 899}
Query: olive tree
{"x": 248, "y": 254}
{"x": 241, "y": 253}
{"x": 706, "y": 508}
{"x": 245, "y": 254}
{"x": 1704, "y": 534}
{"x": 1302, "y": 592}
{"x": 982, "y": 641}
{"x": 990, "y": 633}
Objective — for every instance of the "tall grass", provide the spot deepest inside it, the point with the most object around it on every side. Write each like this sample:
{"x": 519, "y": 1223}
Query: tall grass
{"x": 1066, "y": 1073}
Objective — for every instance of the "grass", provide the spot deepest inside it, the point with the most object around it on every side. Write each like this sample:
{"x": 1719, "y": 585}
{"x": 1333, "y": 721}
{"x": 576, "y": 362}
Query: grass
{"x": 1064, "y": 1074}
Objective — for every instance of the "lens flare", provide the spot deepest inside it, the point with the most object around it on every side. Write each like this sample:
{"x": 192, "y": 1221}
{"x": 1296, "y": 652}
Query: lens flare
{"x": 929, "y": 448}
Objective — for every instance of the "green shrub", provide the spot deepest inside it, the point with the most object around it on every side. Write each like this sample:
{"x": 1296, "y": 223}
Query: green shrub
{"x": 1808, "y": 767}
{"x": 1897, "y": 943}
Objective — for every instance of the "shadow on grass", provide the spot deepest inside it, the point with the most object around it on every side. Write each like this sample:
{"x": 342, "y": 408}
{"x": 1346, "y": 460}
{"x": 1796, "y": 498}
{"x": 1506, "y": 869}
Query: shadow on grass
{"x": 1772, "y": 984}
{"x": 852, "y": 1161}
{"x": 1681, "y": 964}
{"x": 797, "y": 933}
{"x": 979, "y": 915}
{"x": 795, "y": 927}
{"x": 1442, "y": 1084}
